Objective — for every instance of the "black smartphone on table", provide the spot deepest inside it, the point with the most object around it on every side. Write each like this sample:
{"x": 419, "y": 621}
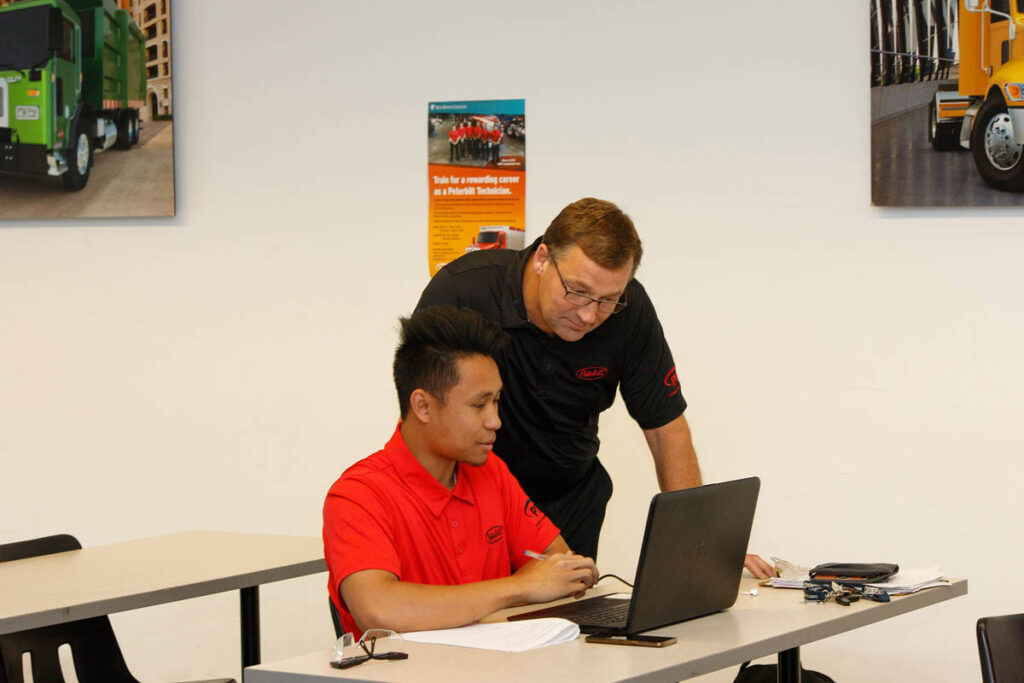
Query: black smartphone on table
{"x": 635, "y": 640}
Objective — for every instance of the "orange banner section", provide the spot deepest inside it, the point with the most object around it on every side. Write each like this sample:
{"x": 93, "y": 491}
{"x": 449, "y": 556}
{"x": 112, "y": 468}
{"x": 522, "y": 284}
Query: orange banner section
{"x": 468, "y": 203}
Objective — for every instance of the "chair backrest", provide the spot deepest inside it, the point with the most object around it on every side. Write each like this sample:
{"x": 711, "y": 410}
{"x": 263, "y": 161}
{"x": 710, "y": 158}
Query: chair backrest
{"x": 38, "y": 546}
{"x": 1001, "y": 648}
{"x": 94, "y": 649}
{"x": 335, "y": 619}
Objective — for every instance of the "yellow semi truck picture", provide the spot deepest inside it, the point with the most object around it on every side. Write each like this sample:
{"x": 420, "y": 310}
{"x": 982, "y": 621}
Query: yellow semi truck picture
{"x": 986, "y": 112}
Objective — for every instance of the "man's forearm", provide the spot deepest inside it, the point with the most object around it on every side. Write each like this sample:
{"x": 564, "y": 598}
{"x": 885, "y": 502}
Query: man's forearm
{"x": 675, "y": 459}
{"x": 401, "y": 606}
{"x": 377, "y": 599}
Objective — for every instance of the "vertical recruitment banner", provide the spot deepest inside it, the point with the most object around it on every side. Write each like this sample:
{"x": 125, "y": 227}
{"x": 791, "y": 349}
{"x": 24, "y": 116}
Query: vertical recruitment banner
{"x": 476, "y": 178}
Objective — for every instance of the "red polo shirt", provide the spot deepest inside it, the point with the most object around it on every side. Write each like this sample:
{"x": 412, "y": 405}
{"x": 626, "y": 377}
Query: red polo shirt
{"x": 387, "y": 512}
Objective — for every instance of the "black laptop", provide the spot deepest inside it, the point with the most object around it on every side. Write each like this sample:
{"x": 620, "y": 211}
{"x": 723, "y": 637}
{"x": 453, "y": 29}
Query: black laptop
{"x": 690, "y": 564}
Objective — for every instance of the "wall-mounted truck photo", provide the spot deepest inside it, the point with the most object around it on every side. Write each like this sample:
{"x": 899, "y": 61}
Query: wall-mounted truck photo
{"x": 72, "y": 83}
{"x": 985, "y": 113}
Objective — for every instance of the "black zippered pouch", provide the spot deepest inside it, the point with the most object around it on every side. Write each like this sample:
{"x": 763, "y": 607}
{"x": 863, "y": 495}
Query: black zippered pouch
{"x": 854, "y": 572}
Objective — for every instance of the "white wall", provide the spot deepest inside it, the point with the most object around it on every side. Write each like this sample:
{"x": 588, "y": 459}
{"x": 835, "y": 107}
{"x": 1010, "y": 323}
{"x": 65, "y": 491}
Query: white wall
{"x": 220, "y": 369}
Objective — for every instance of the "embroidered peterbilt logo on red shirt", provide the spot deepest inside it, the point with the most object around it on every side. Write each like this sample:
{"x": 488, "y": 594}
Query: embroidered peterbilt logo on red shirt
{"x": 592, "y": 373}
{"x": 495, "y": 534}
{"x": 672, "y": 381}
{"x": 531, "y": 510}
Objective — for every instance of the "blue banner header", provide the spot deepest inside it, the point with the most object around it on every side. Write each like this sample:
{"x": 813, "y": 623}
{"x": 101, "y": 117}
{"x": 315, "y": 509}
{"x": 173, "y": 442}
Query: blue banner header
{"x": 492, "y": 107}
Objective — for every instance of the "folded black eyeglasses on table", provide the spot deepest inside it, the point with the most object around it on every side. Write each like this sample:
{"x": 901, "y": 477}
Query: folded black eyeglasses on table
{"x": 368, "y": 645}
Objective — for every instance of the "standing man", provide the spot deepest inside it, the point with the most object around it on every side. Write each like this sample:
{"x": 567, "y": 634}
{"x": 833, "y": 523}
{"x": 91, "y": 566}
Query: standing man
{"x": 496, "y": 136}
{"x": 453, "y": 143}
{"x": 463, "y": 150}
{"x": 475, "y": 133}
{"x": 581, "y": 328}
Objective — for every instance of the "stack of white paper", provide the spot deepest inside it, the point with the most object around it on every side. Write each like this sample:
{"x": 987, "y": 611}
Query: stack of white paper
{"x": 506, "y": 636}
{"x": 791, "y": 575}
{"x": 912, "y": 580}
{"x": 792, "y": 582}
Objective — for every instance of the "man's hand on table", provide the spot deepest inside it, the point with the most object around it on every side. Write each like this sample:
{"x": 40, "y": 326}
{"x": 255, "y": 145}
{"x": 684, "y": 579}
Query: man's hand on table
{"x": 758, "y": 567}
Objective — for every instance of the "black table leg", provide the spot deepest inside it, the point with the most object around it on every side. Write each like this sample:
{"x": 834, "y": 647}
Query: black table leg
{"x": 789, "y": 666}
{"x": 251, "y": 626}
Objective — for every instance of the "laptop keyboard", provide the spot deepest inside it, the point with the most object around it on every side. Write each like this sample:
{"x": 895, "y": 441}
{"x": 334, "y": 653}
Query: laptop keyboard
{"x": 603, "y": 614}
{"x": 601, "y": 611}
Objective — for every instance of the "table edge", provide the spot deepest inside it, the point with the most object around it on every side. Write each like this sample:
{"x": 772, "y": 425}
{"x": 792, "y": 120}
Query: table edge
{"x": 161, "y": 596}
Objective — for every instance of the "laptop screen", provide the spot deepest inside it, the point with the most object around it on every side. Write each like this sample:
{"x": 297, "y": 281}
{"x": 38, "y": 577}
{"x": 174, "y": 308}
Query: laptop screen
{"x": 691, "y": 561}
{"x": 692, "y": 556}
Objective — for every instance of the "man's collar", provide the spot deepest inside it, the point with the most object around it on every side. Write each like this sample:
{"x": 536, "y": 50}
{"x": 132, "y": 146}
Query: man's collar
{"x": 513, "y": 306}
{"x": 420, "y": 481}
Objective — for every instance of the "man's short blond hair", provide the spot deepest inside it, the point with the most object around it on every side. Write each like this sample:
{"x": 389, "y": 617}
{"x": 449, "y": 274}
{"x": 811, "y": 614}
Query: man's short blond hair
{"x": 605, "y": 234}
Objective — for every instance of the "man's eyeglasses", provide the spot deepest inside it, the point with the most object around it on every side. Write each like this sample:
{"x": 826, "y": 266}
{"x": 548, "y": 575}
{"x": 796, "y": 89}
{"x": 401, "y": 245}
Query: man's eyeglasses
{"x": 368, "y": 644}
{"x": 579, "y": 299}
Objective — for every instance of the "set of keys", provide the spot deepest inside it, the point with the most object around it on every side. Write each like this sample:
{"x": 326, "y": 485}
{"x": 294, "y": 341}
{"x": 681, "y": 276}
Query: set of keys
{"x": 843, "y": 594}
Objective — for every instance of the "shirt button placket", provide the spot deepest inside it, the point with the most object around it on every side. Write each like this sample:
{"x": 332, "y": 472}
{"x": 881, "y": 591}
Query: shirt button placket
{"x": 545, "y": 367}
{"x": 458, "y": 536}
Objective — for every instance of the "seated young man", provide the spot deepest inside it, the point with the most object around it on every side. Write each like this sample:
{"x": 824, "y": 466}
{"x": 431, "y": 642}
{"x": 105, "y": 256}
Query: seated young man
{"x": 432, "y": 531}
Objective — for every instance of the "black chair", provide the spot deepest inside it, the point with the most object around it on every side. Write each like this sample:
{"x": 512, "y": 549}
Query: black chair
{"x": 94, "y": 649}
{"x": 335, "y": 619}
{"x": 1001, "y": 648}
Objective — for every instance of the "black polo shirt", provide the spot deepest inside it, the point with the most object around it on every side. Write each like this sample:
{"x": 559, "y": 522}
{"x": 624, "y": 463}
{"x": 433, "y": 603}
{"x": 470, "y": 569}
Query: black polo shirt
{"x": 554, "y": 390}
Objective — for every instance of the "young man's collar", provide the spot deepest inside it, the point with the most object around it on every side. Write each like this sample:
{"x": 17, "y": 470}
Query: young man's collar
{"x": 416, "y": 477}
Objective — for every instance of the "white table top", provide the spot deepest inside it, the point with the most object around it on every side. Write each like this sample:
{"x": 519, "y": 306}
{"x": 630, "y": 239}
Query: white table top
{"x": 78, "y": 584}
{"x": 756, "y": 626}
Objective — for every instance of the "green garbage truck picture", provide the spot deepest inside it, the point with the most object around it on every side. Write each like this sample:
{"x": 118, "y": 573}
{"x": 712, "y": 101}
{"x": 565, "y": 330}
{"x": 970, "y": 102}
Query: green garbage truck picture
{"x": 72, "y": 84}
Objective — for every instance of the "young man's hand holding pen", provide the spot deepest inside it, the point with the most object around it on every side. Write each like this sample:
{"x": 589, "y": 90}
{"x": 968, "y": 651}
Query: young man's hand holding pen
{"x": 556, "y": 576}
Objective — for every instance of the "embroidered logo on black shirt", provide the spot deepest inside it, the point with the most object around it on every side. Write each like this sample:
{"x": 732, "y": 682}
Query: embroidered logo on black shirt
{"x": 592, "y": 373}
{"x": 672, "y": 381}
